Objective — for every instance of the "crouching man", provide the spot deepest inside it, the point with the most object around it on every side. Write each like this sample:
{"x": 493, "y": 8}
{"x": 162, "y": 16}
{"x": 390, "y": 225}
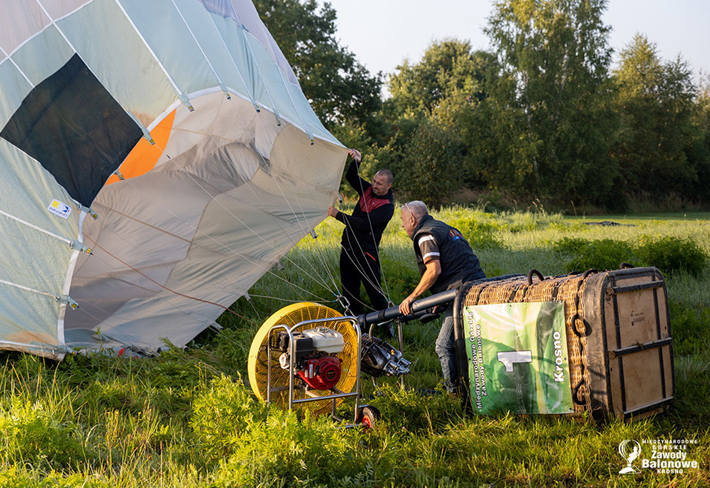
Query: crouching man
{"x": 445, "y": 261}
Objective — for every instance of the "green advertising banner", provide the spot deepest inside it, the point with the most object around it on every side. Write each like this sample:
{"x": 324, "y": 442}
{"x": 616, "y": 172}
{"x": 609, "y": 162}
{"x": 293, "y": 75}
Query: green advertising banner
{"x": 517, "y": 358}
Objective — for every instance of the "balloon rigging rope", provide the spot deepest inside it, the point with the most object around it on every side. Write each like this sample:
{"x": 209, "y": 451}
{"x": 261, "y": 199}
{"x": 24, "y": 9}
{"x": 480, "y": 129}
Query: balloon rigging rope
{"x": 209, "y": 237}
{"x": 254, "y": 232}
{"x": 137, "y": 340}
{"x": 255, "y": 117}
{"x": 364, "y": 276}
{"x": 251, "y": 230}
{"x": 305, "y": 231}
{"x": 162, "y": 286}
{"x": 213, "y": 326}
{"x": 196, "y": 230}
{"x": 241, "y": 222}
{"x": 319, "y": 252}
{"x": 258, "y": 315}
{"x": 287, "y": 300}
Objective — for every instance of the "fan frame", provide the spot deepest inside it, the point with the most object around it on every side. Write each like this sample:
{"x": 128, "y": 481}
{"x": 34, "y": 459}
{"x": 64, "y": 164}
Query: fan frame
{"x": 273, "y": 384}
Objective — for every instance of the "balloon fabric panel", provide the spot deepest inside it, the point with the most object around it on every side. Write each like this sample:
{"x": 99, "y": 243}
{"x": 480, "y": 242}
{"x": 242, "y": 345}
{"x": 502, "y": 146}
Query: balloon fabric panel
{"x": 145, "y": 155}
{"x": 75, "y": 129}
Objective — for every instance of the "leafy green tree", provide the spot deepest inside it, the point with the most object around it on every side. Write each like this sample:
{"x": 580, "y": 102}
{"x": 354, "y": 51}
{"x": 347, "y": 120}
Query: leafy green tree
{"x": 703, "y": 101}
{"x": 447, "y": 67}
{"x": 339, "y": 88}
{"x": 444, "y": 88}
{"x": 699, "y": 150}
{"x": 656, "y": 103}
{"x": 430, "y": 167}
{"x": 551, "y": 108}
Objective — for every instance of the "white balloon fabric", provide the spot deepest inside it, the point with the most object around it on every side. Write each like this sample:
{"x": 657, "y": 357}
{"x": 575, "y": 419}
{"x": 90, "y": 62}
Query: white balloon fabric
{"x": 172, "y": 140}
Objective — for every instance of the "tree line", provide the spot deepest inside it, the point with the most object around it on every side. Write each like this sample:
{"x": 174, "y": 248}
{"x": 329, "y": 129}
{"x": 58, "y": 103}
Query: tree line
{"x": 544, "y": 114}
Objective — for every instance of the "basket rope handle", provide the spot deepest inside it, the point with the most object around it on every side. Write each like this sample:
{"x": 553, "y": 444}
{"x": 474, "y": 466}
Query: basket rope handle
{"x": 536, "y": 273}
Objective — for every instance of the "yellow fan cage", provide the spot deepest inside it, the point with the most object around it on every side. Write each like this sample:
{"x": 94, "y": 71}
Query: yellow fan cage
{"x": 290, "y": 316}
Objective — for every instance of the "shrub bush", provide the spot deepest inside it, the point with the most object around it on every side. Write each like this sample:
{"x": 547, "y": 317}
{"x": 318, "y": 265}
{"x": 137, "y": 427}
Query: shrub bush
{"x": 222, "y": 413}
{"x": 286, "y": 451}
{"x": 668, "y": 254}
{"x": 480, "y": 235}
{"x": 672, "y": 254}
{"x": 601, "y": 254}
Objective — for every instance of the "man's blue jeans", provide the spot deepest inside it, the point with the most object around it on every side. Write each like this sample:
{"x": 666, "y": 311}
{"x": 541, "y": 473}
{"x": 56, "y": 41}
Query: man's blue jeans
{"x": 446, "y": 351}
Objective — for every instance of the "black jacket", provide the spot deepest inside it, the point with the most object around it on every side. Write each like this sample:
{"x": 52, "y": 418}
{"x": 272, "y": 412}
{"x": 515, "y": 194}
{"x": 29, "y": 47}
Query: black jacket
{"x": 363, "y": 234}
{"x": 458, "y": 262}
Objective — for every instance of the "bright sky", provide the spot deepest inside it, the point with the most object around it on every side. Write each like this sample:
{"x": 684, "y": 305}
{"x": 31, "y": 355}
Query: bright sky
{"x": 382, "y": 33}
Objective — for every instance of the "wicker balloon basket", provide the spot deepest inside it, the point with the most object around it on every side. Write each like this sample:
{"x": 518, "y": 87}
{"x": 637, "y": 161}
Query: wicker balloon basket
{"x": 618, "y": 336}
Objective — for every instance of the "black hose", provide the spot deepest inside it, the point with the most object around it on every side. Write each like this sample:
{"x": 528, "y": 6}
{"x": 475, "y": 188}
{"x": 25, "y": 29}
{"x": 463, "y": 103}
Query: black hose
{"x": 420, "y": 306}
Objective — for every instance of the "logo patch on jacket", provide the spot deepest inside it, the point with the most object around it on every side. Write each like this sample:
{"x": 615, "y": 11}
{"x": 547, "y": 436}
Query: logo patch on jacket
{"x": 455, "y": 234}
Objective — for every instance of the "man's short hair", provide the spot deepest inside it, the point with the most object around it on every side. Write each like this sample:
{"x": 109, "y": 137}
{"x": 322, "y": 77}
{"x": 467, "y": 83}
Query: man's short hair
{"x": 388, "y": 174}
{"x": 417, "y": 208}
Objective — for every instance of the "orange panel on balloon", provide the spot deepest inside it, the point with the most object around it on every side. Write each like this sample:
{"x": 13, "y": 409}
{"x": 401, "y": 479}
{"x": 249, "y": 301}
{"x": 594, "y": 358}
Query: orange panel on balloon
{"x": 144, "y": 156}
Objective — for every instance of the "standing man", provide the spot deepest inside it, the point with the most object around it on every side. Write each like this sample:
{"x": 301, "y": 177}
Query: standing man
{"x": 445, "y": 261}
{"x": 359, "y": 253}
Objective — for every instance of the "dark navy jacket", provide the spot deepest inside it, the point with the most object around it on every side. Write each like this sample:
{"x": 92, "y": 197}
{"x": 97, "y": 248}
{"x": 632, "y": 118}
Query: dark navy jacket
{"x": 363, "y": 234}
{"x": 458, "y": 262}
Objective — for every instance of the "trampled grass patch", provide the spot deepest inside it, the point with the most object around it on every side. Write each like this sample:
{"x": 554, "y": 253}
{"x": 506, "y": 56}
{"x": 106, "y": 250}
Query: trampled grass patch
{"x": 186, "y": 418}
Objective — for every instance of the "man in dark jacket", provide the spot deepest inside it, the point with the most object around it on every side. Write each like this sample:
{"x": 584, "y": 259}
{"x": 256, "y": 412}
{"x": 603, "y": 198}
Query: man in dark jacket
{"x": 359, "y": 255}
{"x": 445, "y": 261}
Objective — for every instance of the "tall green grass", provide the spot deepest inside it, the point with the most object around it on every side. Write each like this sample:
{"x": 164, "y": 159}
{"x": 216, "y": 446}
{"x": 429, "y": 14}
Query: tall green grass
{"x": 186, "y": 418}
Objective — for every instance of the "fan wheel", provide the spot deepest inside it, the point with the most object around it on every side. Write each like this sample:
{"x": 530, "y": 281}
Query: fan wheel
{"x": 369, "y": 417}
{"x": 290, "y": 316}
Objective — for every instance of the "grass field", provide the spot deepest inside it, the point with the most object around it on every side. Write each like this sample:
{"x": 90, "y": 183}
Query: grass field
{"x": 185, "y": 418}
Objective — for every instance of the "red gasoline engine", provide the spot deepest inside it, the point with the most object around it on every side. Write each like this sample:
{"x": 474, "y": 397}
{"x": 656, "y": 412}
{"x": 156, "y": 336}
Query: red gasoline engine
{"x": 315, "y": 358}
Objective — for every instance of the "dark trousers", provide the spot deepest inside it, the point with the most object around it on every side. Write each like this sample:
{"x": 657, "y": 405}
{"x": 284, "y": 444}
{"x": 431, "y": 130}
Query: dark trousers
{"x": 357, "y": 267}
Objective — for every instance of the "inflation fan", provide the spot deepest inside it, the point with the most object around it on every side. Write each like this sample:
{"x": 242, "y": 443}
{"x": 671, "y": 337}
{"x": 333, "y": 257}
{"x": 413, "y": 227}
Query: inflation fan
{"x": 308, "y": 356}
